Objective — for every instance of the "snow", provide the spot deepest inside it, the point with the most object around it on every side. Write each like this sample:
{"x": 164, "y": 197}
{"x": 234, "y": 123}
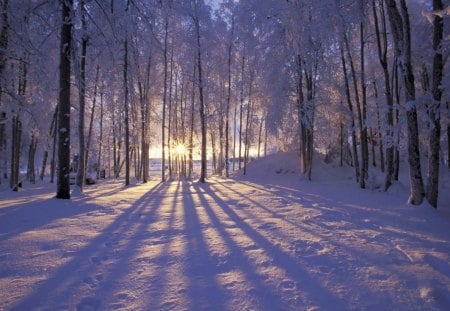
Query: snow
{"x": 270, "y": 240}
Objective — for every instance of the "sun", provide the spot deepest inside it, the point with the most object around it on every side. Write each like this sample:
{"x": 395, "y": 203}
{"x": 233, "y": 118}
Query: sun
{"x": 180, "y": 149}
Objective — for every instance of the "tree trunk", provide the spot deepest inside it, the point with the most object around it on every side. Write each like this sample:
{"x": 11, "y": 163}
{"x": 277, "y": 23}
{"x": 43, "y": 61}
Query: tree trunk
{"x": 91, "y": 121}
{"x": 401, "y": 32}
{"x": 164, "y": 104}
{"x": 359, "y": 111}
{"x": 260, "y": 136}
{"x": 31, "y": 173}
{"x": 352, "y": 117}
{"x": 382, "y": 46}
{"x": 55, "y": 139}
{"x": 15, "y": 152}
{"x": 364, "y": 131}
{"x": 63, "y": 187}
{"x": 247, "y": 123}
{"x": 82, "y": 97}
{"x": 202, "y": 103}
{"x": 434, "y": 108}
{"x": 227, "y": 116}
{"x": 191, "y": 130}
{"x": 241, "y": 112}
{"x": 127, "y": 122}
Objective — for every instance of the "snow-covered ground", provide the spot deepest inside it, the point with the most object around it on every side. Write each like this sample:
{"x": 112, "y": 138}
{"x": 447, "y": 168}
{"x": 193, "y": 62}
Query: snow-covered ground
{"x": 266, "y": 241}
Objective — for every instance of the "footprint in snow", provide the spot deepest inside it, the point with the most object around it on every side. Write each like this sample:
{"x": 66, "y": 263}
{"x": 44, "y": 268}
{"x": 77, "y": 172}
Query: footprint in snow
{"x": 89, "y": 281}
{"x": 89, "y": 304}
{"x": 307, "y": 248}
{"x": 288, "y": 285}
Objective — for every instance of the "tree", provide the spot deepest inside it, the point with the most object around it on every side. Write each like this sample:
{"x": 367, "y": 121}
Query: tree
{"x": 196, "y": 22}
{"x": 434, "y": 107}
{"x": 81, "y": 170}
{"x": 382, "y": 48}
{"x": 400, "y": 26}
{"x": 63, "y": 187}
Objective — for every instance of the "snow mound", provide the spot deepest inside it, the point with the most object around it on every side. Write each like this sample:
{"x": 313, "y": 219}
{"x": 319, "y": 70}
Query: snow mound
{"x": 281, "y": 163}
{"x": 286, "y": 165}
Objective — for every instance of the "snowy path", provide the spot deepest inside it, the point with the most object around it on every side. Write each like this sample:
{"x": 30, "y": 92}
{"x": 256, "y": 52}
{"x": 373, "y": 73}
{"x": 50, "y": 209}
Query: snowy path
{"x": 226, "y": 245}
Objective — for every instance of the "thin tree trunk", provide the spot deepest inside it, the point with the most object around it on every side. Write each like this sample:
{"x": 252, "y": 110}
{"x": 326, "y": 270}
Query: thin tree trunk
{"x": 191, "y": 130}
{"x": 100, "y": 140}
{"x": 434, "y": 108}
{"x": 241, "y": 111}
{"x": 227, "y": 117}
{"x": 31, "y": 156}
{"x": 63, "y": 187}
{"x": 260, "y": 136}
{"x": 202, "y": 103}
{"x": 396, "y": 93}
{"x": 169, "y": 126}
{"x": 352, "y": 117}
{"x": 234, "y": 136}
{"x": 364, "y": 136}
{"x": 378, "y": 135}
{"x": 247, "y": 123}
{"x": 82, "y": 97}
{"x": 164, "y": 104}
{"x": 127, "y": 123}
{"x": 55, "y": 139}
{"x": 265, "y": 140}
{"x": 362, "y": 174}
{"x": 91, "y": 121}
{"x": 382, "y": 47}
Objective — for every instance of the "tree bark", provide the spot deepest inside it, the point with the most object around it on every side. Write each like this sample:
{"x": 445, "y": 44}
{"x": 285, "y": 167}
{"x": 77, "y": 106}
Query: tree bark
{"x": 63, "y": 187}
{"x": 100, "y": 140}
{"x": 227, "y": 116}
{"x": 401, "y": 32}
{"x": 202, "y": 103}
{"x": 82, "y": 98}
{"x": 91, "y": 121}
{"x": 434, "y": 108}
{"x": 352, "y": 117}
{"x": 127, "y": 122}
{"x": 382, "y": 47}
{"x": 362, "y": 135}
{"x": 164, "y": 103}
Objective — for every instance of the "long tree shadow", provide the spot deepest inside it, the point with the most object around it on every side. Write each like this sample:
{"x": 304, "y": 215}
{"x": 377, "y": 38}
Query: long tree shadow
{"x": 37, "y": 213}
{"x": 310, "y": 289}
{"x": 60, "y": 289}
{"x": 362, "y": 237}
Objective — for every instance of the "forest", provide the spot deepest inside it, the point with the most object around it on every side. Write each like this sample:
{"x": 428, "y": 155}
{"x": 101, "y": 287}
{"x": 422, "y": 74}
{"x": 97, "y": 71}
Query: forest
{"x": 102, "y": 89}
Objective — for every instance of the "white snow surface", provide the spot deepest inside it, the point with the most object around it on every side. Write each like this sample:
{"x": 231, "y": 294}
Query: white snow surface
{"x": 270, "y": 240}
